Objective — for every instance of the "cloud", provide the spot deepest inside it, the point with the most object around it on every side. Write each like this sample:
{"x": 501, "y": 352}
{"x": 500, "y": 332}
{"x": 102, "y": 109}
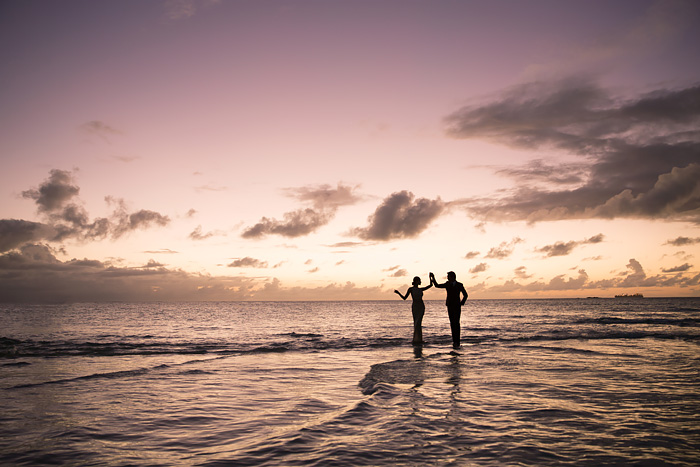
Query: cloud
{"x": 565, "y": 248}
{"x": 401, "y": 216}
{"x": 126, "y": 159}
{"x": 681, "y": 268}
{"x": 521, "y": 272}
{"x": 543, "y": 172}
{"x": 504, "y": 250}
{"x": 345, "y": 244}
{"x": 248, "y": 262}
{"x": 325, "y": 201}
{"x": 682, "y": 241}
{"x": 57, "y": 201}
{"x": 100, "y": 129}
{"x": 639, "y": 157}
{"x": 165, "y": 251}
{"x": 274, "y": 290}
{"x": 184, "y": 9}
{"x": 141, "y": 219}
{"x": 16, "y": 232}
{"x": 472, "y": 255}
{"x": 481, "y": 267}
{"x": 151, "y": 264}
{"x": 295, "y": 224}
{"x": 54, "y": 193}
{"x": 197, "y": 234}
{"x": 33, "y": 274}
{"x": 633, "y": 278}
{"x": 398, "y": 271}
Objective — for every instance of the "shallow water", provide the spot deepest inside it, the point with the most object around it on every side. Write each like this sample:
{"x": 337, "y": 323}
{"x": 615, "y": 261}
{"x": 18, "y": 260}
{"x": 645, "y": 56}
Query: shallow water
{"x": 536, "y": 382}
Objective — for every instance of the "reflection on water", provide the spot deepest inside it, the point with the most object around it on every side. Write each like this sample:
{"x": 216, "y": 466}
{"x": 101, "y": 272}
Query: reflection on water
{"x": 535, "y": 383}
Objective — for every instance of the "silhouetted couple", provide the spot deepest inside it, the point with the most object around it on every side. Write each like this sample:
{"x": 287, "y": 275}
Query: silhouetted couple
{"x": 456, "y": 297}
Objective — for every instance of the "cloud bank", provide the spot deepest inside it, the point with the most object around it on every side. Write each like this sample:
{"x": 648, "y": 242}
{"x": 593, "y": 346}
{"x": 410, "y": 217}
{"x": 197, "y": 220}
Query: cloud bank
{"x": 633, "y": 278}
{"x": 33, "y": 274}
{"x": 639, "y": 156}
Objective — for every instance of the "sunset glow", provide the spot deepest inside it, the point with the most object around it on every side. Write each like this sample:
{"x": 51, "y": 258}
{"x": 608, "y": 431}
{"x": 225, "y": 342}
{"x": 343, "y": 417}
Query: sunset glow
{"x": 314, "y": 150}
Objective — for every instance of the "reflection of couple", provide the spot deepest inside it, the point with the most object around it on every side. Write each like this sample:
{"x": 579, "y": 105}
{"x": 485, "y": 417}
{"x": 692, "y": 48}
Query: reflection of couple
{"x": 456, "y": 297}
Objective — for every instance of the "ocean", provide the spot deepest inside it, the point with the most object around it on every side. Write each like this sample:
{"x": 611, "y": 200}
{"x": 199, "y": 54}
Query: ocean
{"x": 587, "y": 382}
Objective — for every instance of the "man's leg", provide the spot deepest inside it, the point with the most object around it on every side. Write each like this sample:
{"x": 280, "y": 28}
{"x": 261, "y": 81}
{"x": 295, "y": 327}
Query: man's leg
{"x": 455, "y": 313}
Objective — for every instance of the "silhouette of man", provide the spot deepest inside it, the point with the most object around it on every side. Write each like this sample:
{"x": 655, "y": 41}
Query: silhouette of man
{"x": 454, "y": 303}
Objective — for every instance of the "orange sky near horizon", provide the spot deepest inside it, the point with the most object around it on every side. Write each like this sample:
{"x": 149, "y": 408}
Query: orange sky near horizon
{"x": 312, "y": 150}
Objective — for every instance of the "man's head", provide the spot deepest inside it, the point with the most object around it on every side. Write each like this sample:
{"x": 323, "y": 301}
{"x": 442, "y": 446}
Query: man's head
{"x": 451, "y": 276}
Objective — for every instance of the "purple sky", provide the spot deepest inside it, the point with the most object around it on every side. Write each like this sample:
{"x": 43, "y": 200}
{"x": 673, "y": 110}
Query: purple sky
{"x": 311, "y": 150}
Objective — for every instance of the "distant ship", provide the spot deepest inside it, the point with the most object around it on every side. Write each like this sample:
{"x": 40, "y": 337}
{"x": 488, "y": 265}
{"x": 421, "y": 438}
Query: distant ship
{"x": 634, "y": 295}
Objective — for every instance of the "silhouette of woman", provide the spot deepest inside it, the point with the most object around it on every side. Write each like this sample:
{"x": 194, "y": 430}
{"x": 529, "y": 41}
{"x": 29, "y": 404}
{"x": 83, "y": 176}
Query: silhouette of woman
{"x": 418, "y": 308}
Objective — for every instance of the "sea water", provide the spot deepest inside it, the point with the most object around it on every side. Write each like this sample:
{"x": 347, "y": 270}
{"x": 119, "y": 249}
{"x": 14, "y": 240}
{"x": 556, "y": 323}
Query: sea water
{"x": 536, "y": 382}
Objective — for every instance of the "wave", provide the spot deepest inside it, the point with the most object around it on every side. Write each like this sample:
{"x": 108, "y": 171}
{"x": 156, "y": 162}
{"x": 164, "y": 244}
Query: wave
{"x": 11, "y": 348}
{"x": 681, "y": 322}
{"x": 116, "y": 374}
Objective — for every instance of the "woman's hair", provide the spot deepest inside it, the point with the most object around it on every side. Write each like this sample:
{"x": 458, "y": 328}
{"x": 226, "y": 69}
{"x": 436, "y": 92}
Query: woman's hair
{"x": 416, "y": 280}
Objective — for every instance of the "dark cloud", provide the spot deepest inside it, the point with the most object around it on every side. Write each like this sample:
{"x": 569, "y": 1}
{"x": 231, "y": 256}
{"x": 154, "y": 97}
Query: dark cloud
{"x": 248, "y": 262}
{"x": 16, "y": 232}
{"x": 58, "y": 204}
{"x": 682, "y": 241}
{"x": 504, "y": 250}
{"x": 54, "y": 193}
{"x": 681, "y": 268}
{"x": 325, "y": 201}
{"x": 401, "y": 216}
{"x": 640, "y": 157}
{"x": 481, "y": 267}
{"x": 565, "y": 248}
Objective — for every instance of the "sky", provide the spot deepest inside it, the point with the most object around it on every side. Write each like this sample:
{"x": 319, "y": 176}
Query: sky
{"x": 327, "y": 150}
